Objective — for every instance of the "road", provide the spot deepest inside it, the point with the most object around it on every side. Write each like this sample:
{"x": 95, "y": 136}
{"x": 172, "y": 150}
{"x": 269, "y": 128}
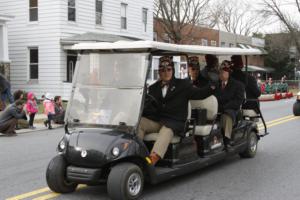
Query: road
{"x": 272, "y": 174}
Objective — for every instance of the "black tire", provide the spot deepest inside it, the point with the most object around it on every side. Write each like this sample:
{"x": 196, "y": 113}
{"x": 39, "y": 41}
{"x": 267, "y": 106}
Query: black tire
{"x": 119, "y": 179}
{"x": 251, "y": 149}
{"x": 56, "y": 176}
{"x": 296, "y": 108}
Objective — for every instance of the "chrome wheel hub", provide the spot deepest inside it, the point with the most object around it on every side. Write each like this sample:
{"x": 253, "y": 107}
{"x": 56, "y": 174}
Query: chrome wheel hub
{"x": 134, "y": 184}
{"x": 253, "y": 143}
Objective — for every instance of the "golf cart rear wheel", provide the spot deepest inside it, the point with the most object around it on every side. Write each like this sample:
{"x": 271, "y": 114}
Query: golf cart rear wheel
{"x": 296, "y": 108}
{"x": 251, "y": 149}
{"x": 125, "y": 182}
{"x": 56, "y": 176}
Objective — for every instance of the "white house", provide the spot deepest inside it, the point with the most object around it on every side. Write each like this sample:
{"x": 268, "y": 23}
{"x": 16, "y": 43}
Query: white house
{"x": 4, "y": 59}
{"x": 42, "y": 31}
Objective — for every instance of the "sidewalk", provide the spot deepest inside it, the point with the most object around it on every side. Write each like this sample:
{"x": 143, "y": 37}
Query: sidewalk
{"x": 39, "y": 124}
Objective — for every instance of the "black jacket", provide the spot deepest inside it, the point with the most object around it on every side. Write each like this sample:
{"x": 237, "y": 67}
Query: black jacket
{"x": 251, "y": 87}
{"x": 172, "y": 110}
{"x": 231, "y": 97}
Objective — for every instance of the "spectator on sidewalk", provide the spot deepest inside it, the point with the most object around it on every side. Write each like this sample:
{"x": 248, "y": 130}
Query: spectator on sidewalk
{"x": 31, "y": 107}
{"x": 18, "y": 95}
{"x": 49, "y": 110}
{"x": 9, "y": 117}
{"x": 5, "y": 92}
{"x": 59, "y": 111}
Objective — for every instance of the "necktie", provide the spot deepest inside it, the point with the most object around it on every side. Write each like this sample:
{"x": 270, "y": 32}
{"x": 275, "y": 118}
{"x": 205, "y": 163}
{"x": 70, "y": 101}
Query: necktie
{"x": 164, "y": 91}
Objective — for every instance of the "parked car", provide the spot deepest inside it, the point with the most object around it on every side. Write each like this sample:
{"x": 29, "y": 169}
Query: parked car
{"x": 296, "y": 106}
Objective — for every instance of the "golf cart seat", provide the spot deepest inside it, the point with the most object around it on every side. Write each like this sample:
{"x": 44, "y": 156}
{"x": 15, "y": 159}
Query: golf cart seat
{"x": 210, "y": 104}
{"x": 250, "y": 113}
{"x": 176, "y": 139}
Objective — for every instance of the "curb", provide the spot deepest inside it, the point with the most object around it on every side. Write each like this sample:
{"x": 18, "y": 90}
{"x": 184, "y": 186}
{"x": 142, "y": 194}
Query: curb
{"x": 27, "y": 130}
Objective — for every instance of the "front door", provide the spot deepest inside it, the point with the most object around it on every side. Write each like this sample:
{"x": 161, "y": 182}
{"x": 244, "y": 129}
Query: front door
{"x": 71, "y": 63}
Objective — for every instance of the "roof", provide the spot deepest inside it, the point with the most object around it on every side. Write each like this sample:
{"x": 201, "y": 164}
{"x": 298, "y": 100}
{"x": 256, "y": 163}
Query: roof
{"x": 153, "y": 46}
{"x": 253, "y": 68}
{"x": 95, "y": 37}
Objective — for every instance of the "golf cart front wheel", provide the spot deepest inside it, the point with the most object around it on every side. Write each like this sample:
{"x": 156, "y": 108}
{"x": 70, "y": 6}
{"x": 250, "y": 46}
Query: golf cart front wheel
{"x": 125, "y": 182}
{"x": 251, "y": 149}
{"x": 56, "y": 178}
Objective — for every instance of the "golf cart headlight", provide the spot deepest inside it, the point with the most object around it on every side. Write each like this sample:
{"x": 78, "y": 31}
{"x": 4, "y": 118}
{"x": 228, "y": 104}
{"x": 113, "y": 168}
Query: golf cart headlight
{"x": 62, "y": 145}
{"x": 115, "y": 151}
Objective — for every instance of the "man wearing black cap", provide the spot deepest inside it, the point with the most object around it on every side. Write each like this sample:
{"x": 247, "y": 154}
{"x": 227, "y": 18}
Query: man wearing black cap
{"x": 230, "y": 97}
{"x": 250, "y": 83}
{"x": 210, "y": 71}
{"x": 168, "y": 118}
{"x": 194, "y": 72}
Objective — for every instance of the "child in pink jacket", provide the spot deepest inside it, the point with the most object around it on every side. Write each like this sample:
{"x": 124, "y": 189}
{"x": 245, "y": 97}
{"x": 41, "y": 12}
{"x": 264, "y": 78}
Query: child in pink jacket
{"x": 31, "y": 107}
{"x": 49, "y": 109}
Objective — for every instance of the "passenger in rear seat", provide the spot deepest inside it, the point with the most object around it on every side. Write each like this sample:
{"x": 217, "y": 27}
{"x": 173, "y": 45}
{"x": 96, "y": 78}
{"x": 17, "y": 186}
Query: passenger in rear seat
{"x": 250, "y": 83}
{"x": 170, "y": 114}
{"x": 194, "y": 72}
{"x": 230, "y": 97}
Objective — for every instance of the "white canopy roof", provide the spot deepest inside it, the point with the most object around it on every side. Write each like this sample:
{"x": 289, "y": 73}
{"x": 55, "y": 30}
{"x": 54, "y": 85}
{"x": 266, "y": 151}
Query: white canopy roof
{"x": 165, "y": 47}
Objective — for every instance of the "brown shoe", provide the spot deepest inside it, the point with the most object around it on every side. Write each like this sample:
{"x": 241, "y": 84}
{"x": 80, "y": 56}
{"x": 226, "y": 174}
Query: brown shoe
{"x": 154, "y": 157}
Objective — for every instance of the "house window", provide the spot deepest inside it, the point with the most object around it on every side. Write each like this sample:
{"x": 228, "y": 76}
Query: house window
{"x": 145, "y": 12}
{"x": 223, "y": 44}
{"x": 123, "y": 16}
{"x": 155, "y": 36}
{"x": 99, "y": 8}
{"x": 33, "y": 10}
{"x": 166, "y": 38}
{"x": 204, "y": 42}
{"x": 33, "y": 63}
{"x": 213, "y": 43}
{"x": 71, "y": 10}
{"x": 71, "y": 63}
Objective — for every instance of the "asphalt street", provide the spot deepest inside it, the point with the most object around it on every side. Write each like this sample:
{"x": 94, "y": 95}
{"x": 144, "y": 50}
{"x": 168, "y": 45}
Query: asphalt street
{"x": 272, "y": 174}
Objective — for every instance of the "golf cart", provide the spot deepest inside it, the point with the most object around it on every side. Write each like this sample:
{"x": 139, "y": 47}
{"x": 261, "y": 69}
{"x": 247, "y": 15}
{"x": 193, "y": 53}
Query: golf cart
{"x": 109, "y": 92}
{"x": 296, "y": 106}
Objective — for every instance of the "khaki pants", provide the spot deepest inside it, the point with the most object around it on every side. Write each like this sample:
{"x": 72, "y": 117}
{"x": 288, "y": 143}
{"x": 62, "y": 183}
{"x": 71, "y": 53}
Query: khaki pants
{"x": 227, "y": 123}
{"x": 164, "y": 138}
{"x": 9, "y": 126}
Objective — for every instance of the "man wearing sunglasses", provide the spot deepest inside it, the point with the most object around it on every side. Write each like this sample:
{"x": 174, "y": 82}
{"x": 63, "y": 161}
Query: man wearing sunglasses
{"x": 171, "y": 96}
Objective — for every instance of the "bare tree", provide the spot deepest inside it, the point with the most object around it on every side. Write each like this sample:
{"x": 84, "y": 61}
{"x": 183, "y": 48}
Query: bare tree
{"x": 283, "y": 10}
{"x": 236, "y": 16}
{"x": 178, "y": 17}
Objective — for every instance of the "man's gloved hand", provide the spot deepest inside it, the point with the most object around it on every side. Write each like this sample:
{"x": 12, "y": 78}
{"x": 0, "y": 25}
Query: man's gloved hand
{"x": 213, "y": 84}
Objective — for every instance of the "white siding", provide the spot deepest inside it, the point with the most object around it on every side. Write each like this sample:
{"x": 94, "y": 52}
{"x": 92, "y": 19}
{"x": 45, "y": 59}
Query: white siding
{"x": 85, "y": 18}
{"x": 52, "y": 26}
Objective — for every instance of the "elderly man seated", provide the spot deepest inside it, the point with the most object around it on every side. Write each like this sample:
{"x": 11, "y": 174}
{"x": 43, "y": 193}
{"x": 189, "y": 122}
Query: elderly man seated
{"x": 168, "y": 117}
{"x": 230, "y": 97}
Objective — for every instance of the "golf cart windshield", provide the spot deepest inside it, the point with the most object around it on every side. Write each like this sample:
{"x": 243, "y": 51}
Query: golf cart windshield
{"x": 108, "y": 89}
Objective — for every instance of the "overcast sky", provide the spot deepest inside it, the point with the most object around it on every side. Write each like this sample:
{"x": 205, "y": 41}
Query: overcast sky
{"x": 288, "y": 6}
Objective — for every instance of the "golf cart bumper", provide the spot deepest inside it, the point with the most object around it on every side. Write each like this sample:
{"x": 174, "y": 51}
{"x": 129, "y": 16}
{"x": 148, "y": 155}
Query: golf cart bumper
{"x": 83, "y": 175}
